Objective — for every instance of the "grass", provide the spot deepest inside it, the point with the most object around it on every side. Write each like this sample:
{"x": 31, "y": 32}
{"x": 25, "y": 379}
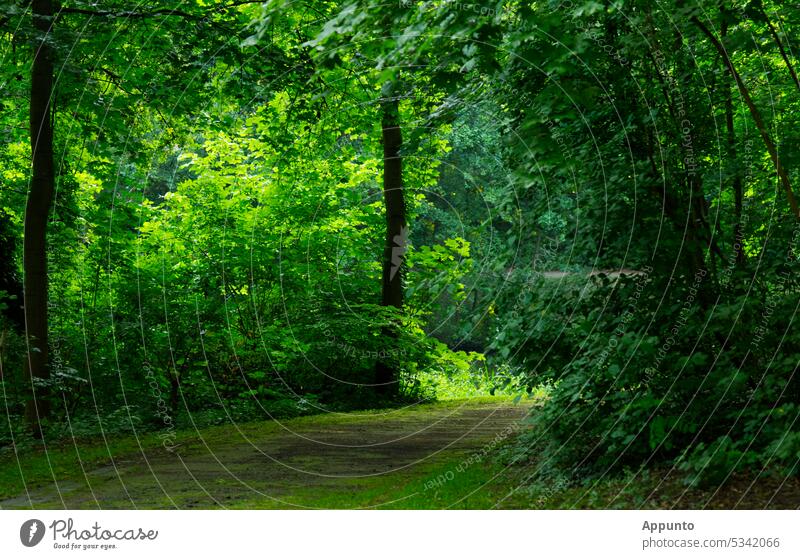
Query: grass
{"x": 68, "y": 458}
{"x": 464, "y": 479}
{"x": 434, "y": 485}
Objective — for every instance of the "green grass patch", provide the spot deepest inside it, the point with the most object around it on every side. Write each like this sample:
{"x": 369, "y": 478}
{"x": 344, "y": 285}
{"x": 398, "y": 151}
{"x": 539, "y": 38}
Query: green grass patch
{"x": 65, "y": 460}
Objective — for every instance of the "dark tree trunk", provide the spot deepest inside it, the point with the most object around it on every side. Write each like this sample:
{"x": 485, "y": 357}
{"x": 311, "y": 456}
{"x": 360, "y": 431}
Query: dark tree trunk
{"x": 738, "y": 249}
{"x": 688, "y": 222}
{"x": 738, "y": 197}
{"x": 174, "y": 391}
{"x": 395, "y": 244}
{"x": 9, "y": 278}
{"x": 37, "y": 209}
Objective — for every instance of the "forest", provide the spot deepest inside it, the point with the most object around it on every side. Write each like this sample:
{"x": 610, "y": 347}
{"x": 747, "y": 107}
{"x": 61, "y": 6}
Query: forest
{"x": 560, "y": 237}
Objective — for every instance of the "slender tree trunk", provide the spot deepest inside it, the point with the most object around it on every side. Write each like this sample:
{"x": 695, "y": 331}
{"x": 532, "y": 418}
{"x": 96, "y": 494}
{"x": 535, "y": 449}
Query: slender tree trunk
{"x": 396, "y": 240}
{"x": 686, "y": 218}
{"x": 738, "y": 249}
{"x": 174, "y": 391}
{"x": 37, "y": 210}
{"x": 754, "y": 112}
{"x": 9, "y": 280}
{"x": 395, "y": 246}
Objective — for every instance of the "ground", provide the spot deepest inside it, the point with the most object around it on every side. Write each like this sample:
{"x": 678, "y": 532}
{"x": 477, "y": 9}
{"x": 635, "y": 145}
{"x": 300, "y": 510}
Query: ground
{"x": 426, "y": 456}
{"x": 324, "y": 460}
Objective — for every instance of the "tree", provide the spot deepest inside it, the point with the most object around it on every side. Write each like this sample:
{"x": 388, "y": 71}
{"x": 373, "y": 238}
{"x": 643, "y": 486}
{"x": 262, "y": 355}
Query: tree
{"x": 780, "y": 169}
{"x": 10, "y": 284}
{"x": 103, "y": 84}
{"x": 37, "y": 210}
{"x": 396, "y": 242}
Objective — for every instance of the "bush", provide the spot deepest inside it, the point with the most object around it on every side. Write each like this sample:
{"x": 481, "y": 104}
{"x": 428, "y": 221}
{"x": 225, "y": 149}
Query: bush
{"x": 692, "y": 383}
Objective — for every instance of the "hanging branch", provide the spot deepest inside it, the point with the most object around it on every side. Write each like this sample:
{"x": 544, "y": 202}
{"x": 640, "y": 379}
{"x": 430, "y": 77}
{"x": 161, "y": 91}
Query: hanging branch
{"x": 770, "y": 145}
{"x": 756, "y": 12}
{"x": 785, "y": 56}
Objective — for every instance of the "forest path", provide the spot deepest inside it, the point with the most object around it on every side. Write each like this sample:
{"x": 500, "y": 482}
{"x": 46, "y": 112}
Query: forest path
{"x": 322, "y": 460}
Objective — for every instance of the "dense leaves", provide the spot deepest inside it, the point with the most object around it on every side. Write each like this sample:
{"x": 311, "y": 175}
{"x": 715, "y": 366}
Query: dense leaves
{"x": 599, "y": 197}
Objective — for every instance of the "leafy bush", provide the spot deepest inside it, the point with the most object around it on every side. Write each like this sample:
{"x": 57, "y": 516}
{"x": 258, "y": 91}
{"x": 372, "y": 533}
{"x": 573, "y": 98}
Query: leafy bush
{"x": 682, "y": 382}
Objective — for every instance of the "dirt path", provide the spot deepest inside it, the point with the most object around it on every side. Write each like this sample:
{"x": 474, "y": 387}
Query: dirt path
{"x": 270, "y": 464}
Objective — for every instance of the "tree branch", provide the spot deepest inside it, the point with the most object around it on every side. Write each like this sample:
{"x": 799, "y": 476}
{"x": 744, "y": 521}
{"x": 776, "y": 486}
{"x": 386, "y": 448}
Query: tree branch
{"x": 166, "y": 12}
{"x": 132, "y": 15}
{"x": 773, "y": 151}
{"x": 785, "y": 56}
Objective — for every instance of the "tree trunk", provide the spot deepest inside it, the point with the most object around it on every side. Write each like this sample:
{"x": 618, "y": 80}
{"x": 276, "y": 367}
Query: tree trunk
{"x": 174, "y": 391}
{"x": 686, "y": 220}
{"x": 762, "y": 129}
{"x": 395, "y": 244}
{"x": 37, "y": 210}
{"x": 738, "y": 249}
{"x": 9, "y": 279}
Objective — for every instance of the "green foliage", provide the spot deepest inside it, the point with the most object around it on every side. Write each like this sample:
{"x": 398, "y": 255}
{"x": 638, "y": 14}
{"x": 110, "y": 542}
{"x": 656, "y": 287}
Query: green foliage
{"x": 591, "y": 202}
